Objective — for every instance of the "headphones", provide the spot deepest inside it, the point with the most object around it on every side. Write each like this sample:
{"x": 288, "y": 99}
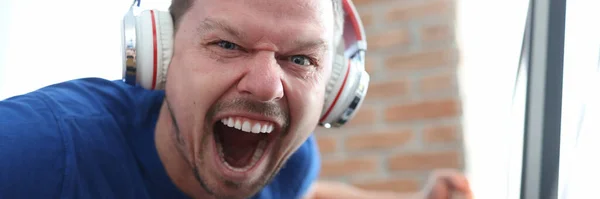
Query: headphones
{"x": 147, "y": 41}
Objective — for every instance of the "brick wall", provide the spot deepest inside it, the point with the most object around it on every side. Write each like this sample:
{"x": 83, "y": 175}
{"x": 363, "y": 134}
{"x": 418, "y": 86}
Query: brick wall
{"x": 410, "y": 122}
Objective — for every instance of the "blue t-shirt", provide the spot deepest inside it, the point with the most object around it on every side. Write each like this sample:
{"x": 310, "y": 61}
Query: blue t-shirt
{"x": 94, "y": 138}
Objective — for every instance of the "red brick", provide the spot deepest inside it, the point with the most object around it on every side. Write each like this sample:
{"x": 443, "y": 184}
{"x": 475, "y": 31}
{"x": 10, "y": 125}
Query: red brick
{"x": 440, "y": 134}
{"x": 378, "y": 140}
{"x": 421, "y": 60}
{"x": 436, "y": 33}
{"x": 394, "y": 184}
{"x": 423, "y": 110}
{"x": 366, "y": 2}
{"x": 387, "y": 24}
{"x": 327, "y": 144}
{"x": 370, "y": 62}
{"x": 387, "y": 39}
{"x": 366, "y": 19}
{"x": 333, "y": 168}
{"x": 378, "y": 90}
{"x": 419, "y": 10}
{"x": 424, "y": 161}
{"x": 364, "y": 116}
{"x": 437, "y": 83}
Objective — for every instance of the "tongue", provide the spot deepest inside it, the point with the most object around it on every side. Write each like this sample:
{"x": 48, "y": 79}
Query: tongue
{"x": 238, "y": 146}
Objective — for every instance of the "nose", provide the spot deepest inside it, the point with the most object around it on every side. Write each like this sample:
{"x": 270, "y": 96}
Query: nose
{"x": 262, "y": 81}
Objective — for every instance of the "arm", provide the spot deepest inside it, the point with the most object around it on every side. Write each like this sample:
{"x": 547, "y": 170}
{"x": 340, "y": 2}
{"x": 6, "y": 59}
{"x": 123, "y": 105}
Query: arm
{"x": 442, "y": 184}
{"x": 332, "y": 190}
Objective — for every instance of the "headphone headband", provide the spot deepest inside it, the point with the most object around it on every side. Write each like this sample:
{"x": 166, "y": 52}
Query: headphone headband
{"x": 354, "y": 32}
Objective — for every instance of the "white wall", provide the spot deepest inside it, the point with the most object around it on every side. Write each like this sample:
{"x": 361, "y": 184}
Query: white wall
{"x": 490, "y": 35}
{"x": 59, "y": 40}
{"x": 5, "y": 14}
{"x": 580, "y": 165}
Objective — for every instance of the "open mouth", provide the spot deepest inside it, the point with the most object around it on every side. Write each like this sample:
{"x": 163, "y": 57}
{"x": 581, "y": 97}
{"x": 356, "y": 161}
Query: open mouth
{"x": 242, "y": 143}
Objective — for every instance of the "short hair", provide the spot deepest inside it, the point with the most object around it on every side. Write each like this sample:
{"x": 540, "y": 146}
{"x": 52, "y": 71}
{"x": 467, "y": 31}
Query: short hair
{"x": 179, "y": 7}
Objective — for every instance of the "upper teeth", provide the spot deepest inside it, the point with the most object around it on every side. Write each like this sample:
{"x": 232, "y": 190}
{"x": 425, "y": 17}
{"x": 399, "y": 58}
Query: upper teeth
{"x": 248, "y": 125}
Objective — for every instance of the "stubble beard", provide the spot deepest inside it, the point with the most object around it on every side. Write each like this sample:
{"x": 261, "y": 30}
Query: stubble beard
{"x": 196, "y": 163}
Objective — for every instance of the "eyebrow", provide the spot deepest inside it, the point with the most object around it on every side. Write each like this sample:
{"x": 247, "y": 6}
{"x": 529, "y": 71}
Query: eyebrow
{"x": 319, "y": 45}
{"x": 211, "y": 24}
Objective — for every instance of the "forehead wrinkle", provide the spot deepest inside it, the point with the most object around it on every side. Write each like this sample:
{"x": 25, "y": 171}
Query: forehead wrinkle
{"x": 211, "y": 24}
{"x": 317, "y": 45}
{"x": 281, "y": 9}
{"x": 270, "y": 19}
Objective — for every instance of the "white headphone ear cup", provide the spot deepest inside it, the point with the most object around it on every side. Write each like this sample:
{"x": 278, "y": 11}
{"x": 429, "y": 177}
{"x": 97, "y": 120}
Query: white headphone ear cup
{"x": 167, "y": 35}
{"x": 154, "y": 48}
{"x": 336, "y": 81}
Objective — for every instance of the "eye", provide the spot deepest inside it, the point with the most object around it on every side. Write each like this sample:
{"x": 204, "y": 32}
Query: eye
{"x": 301, "y": 60}
{"x": 227, "y": 45}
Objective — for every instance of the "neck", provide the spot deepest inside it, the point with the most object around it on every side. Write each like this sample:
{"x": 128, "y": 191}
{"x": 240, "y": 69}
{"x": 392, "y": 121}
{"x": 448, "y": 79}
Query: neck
{"x": 174, "y": 162}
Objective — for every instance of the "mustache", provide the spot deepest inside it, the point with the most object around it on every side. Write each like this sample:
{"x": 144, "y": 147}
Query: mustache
{"x": 267, "y": 109}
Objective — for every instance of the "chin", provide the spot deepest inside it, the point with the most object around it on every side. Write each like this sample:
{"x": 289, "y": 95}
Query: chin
{"x": 240, "y": 154}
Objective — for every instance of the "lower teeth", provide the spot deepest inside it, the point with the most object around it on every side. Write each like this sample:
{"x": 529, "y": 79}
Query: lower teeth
{"x": 255, "y": 157}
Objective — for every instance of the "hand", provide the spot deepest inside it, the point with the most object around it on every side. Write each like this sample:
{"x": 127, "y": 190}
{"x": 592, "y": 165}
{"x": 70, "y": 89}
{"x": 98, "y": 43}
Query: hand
{"x": 444, "y": 184}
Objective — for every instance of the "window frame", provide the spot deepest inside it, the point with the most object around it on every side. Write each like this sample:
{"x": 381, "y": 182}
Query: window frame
{"x": 543, "y": 53}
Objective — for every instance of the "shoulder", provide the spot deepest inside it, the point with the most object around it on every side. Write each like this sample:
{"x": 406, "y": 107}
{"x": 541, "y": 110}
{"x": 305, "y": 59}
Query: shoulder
{"x": 41, "y": 130}
{"x": 91, "y": 96}
{"x": 67, "y": 105}
{"x": 79, "y": 99}
{"x": 31, "y": 147}
{"x": 298, "y": 173}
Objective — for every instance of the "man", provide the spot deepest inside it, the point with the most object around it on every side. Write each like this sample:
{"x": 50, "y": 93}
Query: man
{"x": 245, "y": 89}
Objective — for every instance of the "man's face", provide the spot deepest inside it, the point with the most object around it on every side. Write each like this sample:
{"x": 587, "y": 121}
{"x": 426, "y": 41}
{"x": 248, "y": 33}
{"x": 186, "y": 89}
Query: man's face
{"x": 246, "y": 87}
